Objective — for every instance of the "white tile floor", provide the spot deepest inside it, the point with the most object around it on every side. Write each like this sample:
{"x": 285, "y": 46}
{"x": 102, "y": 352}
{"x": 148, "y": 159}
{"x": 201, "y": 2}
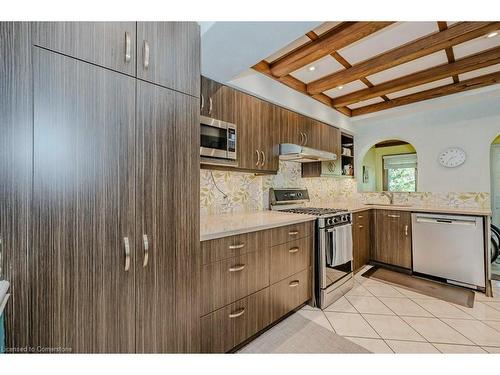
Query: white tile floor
{"x": 387, "y": 319}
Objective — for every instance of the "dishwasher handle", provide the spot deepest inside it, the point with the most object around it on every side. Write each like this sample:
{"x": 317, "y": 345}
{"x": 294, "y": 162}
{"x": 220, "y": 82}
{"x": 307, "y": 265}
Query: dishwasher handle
{"x": 445, "y": 220}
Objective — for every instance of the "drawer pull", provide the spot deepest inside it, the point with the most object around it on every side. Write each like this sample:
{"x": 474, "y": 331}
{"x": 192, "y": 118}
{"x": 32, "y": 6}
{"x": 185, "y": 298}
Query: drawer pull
{"x": 294, "y": 283}
{"x": 293, "y": 250}
{"x": 360, "y": 226}
{"x": 234, "y": 247}
{"x": 406, "y": 230}
{"x": 395, "y": 216}
{"x": 360, "y": 216}
{"x": 237, "y": 313}
{"x": 237, "y": 268}
{"x": 293, "y": 232}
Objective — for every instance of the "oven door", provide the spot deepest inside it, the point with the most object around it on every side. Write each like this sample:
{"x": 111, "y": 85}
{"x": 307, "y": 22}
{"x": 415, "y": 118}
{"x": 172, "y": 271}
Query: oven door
{"x": 335, "y": 245}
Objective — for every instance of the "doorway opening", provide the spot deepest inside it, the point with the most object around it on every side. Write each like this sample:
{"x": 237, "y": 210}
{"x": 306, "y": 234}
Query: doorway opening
{"x": 495, "y": 208}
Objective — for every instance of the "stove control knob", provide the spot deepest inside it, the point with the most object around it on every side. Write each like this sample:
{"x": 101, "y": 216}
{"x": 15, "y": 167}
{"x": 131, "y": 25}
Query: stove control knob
{"x": 335, "y": 220}
{"x": 329, "y": 221}
{"x": 299, "y": 194}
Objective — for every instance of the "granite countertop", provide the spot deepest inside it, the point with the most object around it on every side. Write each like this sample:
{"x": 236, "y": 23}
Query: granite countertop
{"x": 223, "y": 225}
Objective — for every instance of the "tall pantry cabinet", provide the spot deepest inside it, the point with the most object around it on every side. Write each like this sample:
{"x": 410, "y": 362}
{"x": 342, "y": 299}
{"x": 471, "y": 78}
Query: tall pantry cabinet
{"x": 112, "y": 238}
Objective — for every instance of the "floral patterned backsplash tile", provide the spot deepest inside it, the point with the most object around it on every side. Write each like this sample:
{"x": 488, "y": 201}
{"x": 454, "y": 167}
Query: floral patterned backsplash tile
{"x": 245, "y": 192}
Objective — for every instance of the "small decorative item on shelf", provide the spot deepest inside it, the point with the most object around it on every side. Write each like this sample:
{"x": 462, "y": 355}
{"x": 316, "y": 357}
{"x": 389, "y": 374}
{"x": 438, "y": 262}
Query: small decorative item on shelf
{"x": 346, "y": 151}
{"x": 348, "y": 170}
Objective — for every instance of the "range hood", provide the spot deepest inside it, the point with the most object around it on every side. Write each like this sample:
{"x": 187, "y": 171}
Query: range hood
{"x": 301, "y": 154}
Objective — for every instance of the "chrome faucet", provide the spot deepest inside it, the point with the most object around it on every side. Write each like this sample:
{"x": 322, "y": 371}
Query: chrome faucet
{"x": 390, "y": 195}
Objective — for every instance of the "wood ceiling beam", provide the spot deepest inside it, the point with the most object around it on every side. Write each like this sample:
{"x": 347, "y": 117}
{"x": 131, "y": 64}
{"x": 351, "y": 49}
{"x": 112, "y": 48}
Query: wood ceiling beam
{"x": 443, "y": 25}
{"x": 455, "y": 34}
{"x": 335, "y": 39}
{"x": 470, "y": 84}
{"x": 466, "y": 64}
{"x": 294, "y": 83}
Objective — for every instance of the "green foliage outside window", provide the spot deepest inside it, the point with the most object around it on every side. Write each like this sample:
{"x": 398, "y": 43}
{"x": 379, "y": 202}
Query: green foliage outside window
{"x": 401, "y": 179}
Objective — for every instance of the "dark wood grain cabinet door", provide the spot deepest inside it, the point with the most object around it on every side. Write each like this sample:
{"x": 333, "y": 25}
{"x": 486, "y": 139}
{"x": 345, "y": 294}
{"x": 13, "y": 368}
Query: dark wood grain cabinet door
{"x": 392, "y": 238}
{"x": 167, "y": 318}
{"x": 289, "y": 127}
{"x": 249, "y": 137}
{"x": 108, "y": 44}
{"x": 168, "y": 54}
{"x": 218, "y": 101}
{"x": 82, "y": 282}
{"x": 269, "y": 134}
{"x": 361, "y": 224}
{"x": 16, "y": 129}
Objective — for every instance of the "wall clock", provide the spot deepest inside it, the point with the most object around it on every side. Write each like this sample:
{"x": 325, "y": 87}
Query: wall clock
{"x": 452, "y": 157}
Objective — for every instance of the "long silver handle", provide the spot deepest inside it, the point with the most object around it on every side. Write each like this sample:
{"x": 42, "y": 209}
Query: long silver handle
{"x": 293, "y": 250}
{"x": 237, "y": 268}
{"x": 202, "y": 102}
{"x": 128, "y": 55}
{"x": 1, "y": 258}
{"x": 210, "y": 106}
{"x": 406, "y": 230}
{"x": 146, "y": 250}
{"x": 394, "y": 216}
{"x": 294, "y": 283}
{"x": 302, "y": 139}
{"x": 423, "y": 219}
{"x": 146, "y": 54}
{"x": 127, "y": 253}
{"x": 307, "y": 139}
{"x": 237, "y": 313}
{"x": 234, "y": 247}
{"x": 263, "y": 158}
{"x": 293, "y": 232}
{"x": 258, "y": 158}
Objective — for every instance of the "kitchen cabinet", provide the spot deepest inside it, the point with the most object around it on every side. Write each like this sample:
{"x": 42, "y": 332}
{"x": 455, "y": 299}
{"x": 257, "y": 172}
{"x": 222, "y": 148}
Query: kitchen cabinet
{"x": 16, "y": 144}
{"x": 361, "y": 238}
{"x": 102, "y": 252}
{"x": 289, "y": 126}
{"x": 83, "y": 206}
{"x": 108, "y": 44}
{"x": 251, "y": 280}
{"x": 167, "y": 227}
{"x": 392, "y": 230}
{"x": 168, "y": 54}
{"x": 218, "y": 101}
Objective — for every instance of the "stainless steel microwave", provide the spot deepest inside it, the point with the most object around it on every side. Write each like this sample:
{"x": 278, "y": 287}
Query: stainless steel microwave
{"x": 218, "y": 139}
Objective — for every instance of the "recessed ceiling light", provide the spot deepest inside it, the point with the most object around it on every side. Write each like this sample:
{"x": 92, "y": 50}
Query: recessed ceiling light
{"x": 491, "y": 35}
{"x": 312, "y": 68}
{"x": 340, "y": 87}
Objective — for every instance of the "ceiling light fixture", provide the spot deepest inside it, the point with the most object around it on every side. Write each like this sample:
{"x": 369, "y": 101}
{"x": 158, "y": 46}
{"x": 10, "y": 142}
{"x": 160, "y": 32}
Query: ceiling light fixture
{"x": 340, "y": 87}
{"x": 491, "y": 35}
{"x": 312, "y": 68}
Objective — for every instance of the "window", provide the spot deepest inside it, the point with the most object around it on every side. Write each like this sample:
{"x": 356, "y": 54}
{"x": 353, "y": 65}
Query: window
{"x": 400, "y": 172}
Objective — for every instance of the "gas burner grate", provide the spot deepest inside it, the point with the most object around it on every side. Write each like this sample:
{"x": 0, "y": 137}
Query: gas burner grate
{"x": 317, "y": 211}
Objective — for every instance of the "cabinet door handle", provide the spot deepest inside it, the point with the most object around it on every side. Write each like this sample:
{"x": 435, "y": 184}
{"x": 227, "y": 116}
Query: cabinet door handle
{"x": 293, "y": 250}
{"x": 237, "y": 313}
{"x": 360, "y": 216}
{"x": 210, "y": 106}
{"x": 1, "y": 258}
{"x": 146, "y": 250}
{"x": 127, "y": 253}
{"x": 202, "y": 102}
{"x": 306, "y": 139}
{"x": 360, "y": 226}
{"x": 258, "y": 158}
{"x": 263, "y": 158}
{"x": 237, "y": 268}
{"x": 127, "y": 47}
{"x": 234, "y": 247}
{"x": 394, "y": 216}
{"x": 302, "y": 139}
{"x": 146, "y": 54}
{"x": 293, "y": 232}
{"x": 406, "y": 230}
{"x": 294, "y": 283}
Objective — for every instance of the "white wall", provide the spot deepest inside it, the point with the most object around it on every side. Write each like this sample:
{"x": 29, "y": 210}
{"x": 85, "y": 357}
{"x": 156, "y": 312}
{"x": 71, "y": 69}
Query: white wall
{"x": 472, "y": 122}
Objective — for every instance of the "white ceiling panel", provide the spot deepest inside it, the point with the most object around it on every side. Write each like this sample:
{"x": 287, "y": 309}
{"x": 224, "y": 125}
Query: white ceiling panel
{"x": 475, "y": 45}
{"x": 346, "y": 89}
{"x": 426, "y": 86}
{"x": 365, "y": 103}
{"x": 410, "y": 67}
{"x": 386, "y": 39}
{"x": 288, "y": 48}
{"x": 323, "y": 67}
{"x": 479, "y": 72}
{"x": 324, "y": 27}
{"x": 449, "y": 23}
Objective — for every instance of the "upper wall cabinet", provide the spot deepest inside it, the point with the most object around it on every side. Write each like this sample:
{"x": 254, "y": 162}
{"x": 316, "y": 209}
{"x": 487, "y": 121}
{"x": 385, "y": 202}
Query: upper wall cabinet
{"x": 108, "y": 44}
{"x": 169, "y": 55}
{"x": 218, "y": 101}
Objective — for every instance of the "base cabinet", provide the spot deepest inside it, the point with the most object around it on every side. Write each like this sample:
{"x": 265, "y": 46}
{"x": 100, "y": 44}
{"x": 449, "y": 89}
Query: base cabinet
{"x": 243, "y": 294}
{"x": 361, "y": 238}
{"x": 392, "y": 230}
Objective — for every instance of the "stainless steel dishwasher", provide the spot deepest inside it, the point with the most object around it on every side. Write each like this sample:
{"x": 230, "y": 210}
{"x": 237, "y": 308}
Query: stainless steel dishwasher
{"x": 450, "y": 247}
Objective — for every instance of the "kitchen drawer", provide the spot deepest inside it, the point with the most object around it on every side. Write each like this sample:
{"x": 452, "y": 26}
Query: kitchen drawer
{"x": 228, "y": 247}
{"x": 229, "y": 326}
{"x": 228, "y": 280}
{"x": 290, "y": 293}
{"x": 361, "y": 218}
{"x": 291, "y": 232}
{"x": 290, "y": 258}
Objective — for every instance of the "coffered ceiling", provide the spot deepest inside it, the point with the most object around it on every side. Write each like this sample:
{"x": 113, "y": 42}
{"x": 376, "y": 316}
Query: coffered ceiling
{"x": 364, "y": 67}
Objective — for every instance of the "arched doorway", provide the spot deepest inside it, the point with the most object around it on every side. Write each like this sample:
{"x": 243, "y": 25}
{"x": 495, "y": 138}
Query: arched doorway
{"x": 495, "y": 205}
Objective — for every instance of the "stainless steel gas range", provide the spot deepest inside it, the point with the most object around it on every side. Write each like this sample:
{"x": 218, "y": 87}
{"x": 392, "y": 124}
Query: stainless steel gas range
{"x": 333, "y": 275}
